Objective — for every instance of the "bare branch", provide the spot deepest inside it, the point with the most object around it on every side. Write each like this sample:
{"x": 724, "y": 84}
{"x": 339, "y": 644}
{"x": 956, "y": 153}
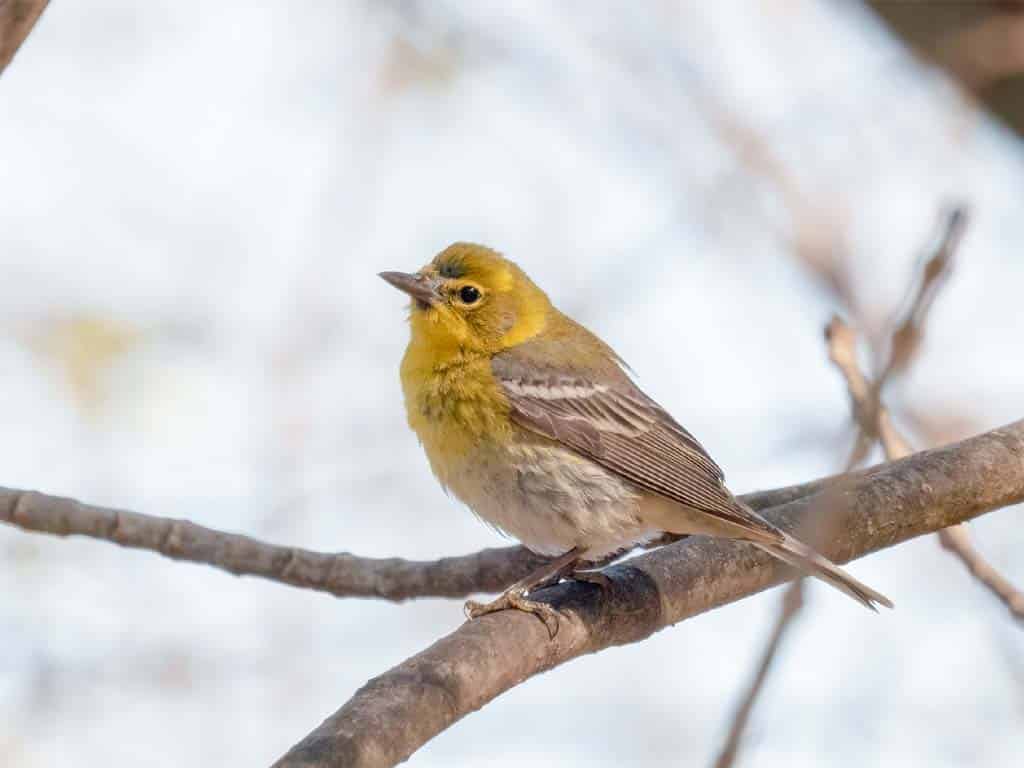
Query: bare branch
{"x": 956, "y": 540}
{"x": 340, "y": 574}
{"x": 869, "y": 412}
{"x": 842, "y": 351}
{"x": 873, "y": 417}
{"x": 394, "y": 714}
{"x": 987, "y": 51}
{"x": 17, "y": 17}
{"x": 821, "y": 524}
{"x": 907, "y": 336}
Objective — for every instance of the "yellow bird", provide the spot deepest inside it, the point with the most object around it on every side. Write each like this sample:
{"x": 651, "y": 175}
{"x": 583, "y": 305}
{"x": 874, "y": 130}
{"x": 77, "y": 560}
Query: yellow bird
{"x": 530, "y": 420}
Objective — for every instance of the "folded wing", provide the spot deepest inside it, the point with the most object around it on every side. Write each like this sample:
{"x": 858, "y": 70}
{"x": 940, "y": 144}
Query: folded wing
{"x": 604, "y": 416}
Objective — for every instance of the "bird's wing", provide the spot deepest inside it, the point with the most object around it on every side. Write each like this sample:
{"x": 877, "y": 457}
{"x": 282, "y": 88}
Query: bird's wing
{"x": 604, "y": 416}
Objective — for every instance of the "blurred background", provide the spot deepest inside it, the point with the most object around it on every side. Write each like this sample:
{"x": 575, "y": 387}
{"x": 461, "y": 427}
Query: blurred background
{"x": 196, "y": 200}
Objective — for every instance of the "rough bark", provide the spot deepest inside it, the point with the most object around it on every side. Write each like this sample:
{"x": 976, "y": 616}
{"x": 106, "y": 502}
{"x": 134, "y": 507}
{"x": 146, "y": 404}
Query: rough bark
{"x": 396, "y": 713}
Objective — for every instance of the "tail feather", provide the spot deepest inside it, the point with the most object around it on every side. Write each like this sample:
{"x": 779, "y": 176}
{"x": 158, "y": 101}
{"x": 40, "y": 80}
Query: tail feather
{"x": 803, "y": 558}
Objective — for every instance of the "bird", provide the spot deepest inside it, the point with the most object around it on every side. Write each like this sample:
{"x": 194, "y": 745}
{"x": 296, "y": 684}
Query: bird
{"x": 535, "y": 424}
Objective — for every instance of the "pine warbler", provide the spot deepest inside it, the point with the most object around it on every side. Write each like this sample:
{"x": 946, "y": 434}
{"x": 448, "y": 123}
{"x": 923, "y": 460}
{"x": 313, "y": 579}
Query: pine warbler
{"x": 530, "y": 420}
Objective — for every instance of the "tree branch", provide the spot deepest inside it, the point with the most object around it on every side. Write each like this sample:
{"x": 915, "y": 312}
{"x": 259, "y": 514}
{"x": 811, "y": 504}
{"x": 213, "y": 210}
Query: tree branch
{"x": 954, "y": 539}
{"x": 820, "y": 524}
{"x": 394, "y": 714}
{"x": 986, "y": 52}
{"x": 340, "y": 574}
{"x": 958, "y": 541}
{"x": 909, "y": 332}
{"x": 792, "y": 603}
{"x": 17, "y": 17}
{"x": 873, "y": 417}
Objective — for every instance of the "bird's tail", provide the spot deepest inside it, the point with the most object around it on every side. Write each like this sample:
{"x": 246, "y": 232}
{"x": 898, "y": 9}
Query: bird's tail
{"x": 803, "y": 558}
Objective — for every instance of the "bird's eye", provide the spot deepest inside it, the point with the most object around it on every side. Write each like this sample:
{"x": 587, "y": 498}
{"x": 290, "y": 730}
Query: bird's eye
{"x": 468, "y": 294}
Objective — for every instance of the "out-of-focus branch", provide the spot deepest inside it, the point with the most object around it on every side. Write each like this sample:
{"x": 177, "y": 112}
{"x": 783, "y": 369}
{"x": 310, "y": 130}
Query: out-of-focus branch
{"x": 869, "y": 412}
{"x": 907, "y": 336}
{"x": 394, "y": 714}
{"x": 957, "y": 540}
{"x": 842, "y": 342}
{"x": 985, "y": 52}
{"x": 819, "y": 524}
{"x": 792, "y": 602}
{"x": 979, "y": 43}
{"x": 870, "y": 416}
{"x": 17, "y": 17}
{"x": 340, "y": 574}
{"x": 873, "y": 417}
{"x": 831, "y": 268}
{"x": 824, "y": 525}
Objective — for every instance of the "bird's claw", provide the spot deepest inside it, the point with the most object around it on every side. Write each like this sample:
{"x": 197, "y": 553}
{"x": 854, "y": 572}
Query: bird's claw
{"x": 516, "y": 599}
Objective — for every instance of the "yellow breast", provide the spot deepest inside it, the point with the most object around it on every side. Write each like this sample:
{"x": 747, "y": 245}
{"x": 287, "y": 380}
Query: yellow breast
{"x": 455, "y": 407}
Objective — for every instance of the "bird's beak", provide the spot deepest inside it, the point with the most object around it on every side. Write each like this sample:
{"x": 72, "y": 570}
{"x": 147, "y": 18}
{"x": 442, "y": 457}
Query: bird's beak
{"x": 423, "y": 289}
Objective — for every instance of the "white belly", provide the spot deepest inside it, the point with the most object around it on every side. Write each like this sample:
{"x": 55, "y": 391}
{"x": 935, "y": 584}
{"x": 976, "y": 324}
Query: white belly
{"x": 549, "y": 498}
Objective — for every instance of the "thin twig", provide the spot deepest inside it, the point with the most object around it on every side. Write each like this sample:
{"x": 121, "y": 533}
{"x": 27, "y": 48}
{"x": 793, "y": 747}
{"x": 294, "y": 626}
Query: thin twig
{"x": 955, "y": 540}
{"x": 873, "y": 417}
{"x": 869, "y": 413}
{"x": 340, "y": 574}
{"x": 820, "y": 526}
{"x": 958, "y": 541}
{"x": 792, "y": 602}
{"x": 908, "y": 333}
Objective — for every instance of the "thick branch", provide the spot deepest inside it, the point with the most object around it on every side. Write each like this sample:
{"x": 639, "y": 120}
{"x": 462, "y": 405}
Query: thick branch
{"x": 340, "y": 574}
{"x": 17, "y": 17}
{"x": 394, "y": 714}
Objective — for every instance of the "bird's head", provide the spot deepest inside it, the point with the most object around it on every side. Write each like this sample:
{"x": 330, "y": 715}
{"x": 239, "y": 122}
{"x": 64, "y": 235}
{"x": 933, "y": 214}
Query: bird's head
{"x": 471, "y": 298}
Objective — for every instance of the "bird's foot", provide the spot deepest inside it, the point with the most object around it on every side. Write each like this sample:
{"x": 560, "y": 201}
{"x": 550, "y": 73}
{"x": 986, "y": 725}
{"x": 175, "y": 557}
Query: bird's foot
{"x": 515, "y": 598}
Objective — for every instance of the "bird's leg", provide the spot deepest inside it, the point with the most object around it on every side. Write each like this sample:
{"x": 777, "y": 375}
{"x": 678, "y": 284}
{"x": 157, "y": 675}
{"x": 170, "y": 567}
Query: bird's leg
{"x": 515, "y": 596}
{"x": 592, "y": 576}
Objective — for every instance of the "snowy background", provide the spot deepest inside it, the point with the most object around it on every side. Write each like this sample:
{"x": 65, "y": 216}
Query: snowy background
{"x": 196, "y": 200}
